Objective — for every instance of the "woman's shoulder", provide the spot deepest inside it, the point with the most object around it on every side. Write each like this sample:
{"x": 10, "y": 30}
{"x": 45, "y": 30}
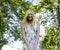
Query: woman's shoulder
{"x": 37, "y": 21}
{"x": 23, "y": 25}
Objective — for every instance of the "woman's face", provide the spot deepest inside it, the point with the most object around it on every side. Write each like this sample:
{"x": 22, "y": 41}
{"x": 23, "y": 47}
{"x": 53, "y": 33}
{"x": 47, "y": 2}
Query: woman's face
{"x": 30, "y": 17}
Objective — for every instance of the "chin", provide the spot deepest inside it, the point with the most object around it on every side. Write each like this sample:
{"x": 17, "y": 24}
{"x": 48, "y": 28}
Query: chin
{"x": 30, "y": 19}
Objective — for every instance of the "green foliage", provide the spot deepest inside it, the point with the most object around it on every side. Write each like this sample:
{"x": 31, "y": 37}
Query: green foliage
{"x": 19, "y": 7}
{"x": 51, "y": 40}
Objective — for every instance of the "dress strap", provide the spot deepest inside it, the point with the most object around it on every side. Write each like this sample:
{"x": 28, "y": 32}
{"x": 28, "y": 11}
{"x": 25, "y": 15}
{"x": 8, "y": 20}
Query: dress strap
{"x": 35, "y": 27}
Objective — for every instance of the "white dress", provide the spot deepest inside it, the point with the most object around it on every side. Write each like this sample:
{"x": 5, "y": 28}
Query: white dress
{"x": 30, "y": 36}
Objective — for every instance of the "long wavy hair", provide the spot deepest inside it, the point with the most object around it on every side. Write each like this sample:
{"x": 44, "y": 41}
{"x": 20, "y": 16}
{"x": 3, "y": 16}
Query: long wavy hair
{"x": 24, "y": 21}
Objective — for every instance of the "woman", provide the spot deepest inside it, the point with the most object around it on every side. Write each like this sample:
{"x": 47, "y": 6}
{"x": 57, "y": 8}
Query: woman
{"x": 30, "y": 31}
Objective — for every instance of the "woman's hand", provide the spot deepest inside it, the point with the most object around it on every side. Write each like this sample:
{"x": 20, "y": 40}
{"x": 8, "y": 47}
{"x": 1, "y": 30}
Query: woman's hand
{"x": 29, "y": 48}
{"x": 35, "y": 46}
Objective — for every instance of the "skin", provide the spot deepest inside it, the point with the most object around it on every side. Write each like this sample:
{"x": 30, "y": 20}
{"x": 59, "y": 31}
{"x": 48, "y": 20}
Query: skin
{"x": 30, "y": 17}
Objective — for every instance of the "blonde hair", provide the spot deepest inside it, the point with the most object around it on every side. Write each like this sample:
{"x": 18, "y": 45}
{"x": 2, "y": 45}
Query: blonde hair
{"x": 24, "y": 21}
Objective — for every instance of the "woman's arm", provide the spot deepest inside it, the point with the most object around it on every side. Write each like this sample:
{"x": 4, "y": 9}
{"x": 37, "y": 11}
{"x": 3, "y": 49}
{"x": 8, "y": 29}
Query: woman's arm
{"x": 37, "y": 36}
{"x": 23, "y": 34}
{"x": 38, "y": 31}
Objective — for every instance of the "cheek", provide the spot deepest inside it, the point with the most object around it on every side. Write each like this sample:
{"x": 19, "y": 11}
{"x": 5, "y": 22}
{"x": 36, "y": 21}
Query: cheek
{"x": 30, "y": 17}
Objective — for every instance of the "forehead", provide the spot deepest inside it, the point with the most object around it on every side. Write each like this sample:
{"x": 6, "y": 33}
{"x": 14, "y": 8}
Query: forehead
{"x": 30, "y": 14}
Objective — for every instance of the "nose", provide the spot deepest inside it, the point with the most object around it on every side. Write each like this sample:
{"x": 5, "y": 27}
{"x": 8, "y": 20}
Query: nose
{"x": 31, "y": 15}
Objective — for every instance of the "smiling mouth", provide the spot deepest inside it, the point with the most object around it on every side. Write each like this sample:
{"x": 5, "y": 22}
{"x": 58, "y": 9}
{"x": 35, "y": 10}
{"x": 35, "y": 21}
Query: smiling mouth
{"x": 29, "y": 20}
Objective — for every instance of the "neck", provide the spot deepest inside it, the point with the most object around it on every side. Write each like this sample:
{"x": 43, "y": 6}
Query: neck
{"x": 30, "y": 22}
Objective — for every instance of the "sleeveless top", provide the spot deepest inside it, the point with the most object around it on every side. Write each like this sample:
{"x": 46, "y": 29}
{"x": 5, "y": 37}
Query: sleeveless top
{"x": 31, "y": 35}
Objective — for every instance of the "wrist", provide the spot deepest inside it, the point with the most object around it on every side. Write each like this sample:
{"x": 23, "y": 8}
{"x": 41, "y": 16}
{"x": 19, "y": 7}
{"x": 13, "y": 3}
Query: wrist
{"x": 27, "y": 44}
{"x": 35, "y": 42}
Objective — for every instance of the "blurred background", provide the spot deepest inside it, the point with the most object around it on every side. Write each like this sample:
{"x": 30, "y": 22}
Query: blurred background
{"x": 13, "y": 11}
